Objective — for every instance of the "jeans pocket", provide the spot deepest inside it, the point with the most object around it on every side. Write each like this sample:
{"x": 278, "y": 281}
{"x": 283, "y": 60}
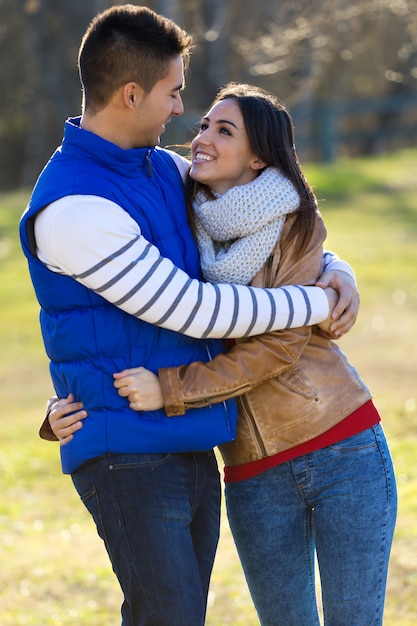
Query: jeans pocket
{"x": 362, "y": 440}
{"x": 132, "y": 461}
{"x": 91, "y": 502}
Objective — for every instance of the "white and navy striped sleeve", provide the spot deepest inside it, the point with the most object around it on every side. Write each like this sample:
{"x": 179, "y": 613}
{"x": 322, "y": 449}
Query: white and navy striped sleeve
{"x": 332, "y": 262}
{"x": 101, "y": 246}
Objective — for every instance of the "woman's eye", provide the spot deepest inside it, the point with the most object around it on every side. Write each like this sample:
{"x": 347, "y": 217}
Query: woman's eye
{"x": 225, "y": 131}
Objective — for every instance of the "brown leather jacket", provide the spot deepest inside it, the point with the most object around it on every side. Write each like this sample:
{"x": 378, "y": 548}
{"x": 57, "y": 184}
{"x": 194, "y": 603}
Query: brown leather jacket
{"x": 291, "y": 385}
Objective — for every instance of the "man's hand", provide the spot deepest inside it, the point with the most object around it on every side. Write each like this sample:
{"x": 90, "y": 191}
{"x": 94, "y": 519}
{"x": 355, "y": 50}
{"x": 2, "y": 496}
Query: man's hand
{"x": 346, "y": 310}
{"x": 65, "y": 417}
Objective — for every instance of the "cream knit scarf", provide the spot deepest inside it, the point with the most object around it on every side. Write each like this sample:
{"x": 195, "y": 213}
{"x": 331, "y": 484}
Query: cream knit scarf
{"x": 237, "y": 231}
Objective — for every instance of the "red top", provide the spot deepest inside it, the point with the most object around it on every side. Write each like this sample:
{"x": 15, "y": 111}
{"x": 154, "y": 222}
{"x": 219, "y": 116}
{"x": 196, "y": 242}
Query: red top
{"x": 358, "y": 421}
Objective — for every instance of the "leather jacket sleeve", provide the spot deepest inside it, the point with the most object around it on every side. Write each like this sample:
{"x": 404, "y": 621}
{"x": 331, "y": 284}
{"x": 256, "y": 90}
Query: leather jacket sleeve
{"x": 45, "y": 430}
{"x": 253, "y": 361}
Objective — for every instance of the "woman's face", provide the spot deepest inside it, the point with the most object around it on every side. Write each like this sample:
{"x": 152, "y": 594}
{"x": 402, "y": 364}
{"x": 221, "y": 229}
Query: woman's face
{"x": 221, "y": 156}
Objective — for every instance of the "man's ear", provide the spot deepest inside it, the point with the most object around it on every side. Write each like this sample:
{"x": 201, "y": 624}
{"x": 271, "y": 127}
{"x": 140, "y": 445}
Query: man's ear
{"x": 132, "y": 95}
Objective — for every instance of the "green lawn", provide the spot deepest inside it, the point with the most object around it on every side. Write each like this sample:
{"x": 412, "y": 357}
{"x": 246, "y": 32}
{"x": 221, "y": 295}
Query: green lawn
{"x": 55, "y": 571}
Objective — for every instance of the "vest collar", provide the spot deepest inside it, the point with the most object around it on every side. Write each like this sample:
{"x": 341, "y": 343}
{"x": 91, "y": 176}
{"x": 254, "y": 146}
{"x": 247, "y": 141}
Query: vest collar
{"x": 87, "y": 144}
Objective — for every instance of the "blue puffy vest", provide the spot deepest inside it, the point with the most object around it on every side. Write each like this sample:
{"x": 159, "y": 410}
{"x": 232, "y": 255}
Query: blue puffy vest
{"x": 86, "y": 338}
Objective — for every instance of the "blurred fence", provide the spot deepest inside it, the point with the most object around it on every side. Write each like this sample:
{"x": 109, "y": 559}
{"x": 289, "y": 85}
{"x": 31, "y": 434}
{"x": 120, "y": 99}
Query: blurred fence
{"x": 357, "y": 127}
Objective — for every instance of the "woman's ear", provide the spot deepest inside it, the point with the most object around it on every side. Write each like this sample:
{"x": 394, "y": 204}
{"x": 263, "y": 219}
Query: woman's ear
{"x": 257, "y": 164}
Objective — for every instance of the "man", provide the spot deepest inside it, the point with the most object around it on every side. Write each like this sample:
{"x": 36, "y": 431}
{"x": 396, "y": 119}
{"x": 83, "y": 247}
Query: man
{"x": 115, "y": 270}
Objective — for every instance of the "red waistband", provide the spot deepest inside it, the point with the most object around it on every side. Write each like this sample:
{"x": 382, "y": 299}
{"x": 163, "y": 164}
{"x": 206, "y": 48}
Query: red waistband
{"x": 358, "y": 421}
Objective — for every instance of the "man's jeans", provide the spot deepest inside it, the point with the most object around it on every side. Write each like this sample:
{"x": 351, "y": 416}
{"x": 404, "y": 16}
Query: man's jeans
{"x": 159, "y": 517}
{"x": 340, "y": 500}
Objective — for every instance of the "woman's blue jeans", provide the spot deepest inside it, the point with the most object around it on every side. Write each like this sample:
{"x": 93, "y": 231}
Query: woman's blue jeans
{"x": 159, "y": 517}
{"x": 340, "y": 501}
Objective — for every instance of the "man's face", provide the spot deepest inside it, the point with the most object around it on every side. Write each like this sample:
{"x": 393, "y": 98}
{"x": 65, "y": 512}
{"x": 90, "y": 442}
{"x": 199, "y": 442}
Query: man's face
{"x": 159, "y": 105}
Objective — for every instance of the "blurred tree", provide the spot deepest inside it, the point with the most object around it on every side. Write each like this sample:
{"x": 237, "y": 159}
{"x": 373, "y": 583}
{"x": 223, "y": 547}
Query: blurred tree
{"x": 315, "y": 56}
{"x": 12, "y": 81}
{"x": 38, "y": 45}
{"x": 310, "y": 55}
{"x": 52, "y": 33}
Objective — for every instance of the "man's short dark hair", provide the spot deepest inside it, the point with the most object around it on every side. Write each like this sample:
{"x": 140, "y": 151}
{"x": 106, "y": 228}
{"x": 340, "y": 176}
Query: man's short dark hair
{"x": 127, "y": 43}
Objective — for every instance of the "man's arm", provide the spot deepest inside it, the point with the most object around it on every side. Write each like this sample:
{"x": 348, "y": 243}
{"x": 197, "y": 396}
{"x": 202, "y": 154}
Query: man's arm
{"x": 101, "y": 246}
{"x": 336, "y": 274}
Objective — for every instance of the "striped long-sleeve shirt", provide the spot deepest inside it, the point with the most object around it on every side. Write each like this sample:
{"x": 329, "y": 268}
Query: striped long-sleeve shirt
{"x": 97, "y": 243}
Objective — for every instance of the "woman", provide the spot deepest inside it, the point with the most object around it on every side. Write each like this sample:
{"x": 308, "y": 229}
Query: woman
{"x": 310, "y": 468}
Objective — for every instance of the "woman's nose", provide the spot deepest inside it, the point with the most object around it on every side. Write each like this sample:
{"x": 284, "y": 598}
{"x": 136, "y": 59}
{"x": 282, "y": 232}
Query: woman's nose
{"x": 204, "y": 137}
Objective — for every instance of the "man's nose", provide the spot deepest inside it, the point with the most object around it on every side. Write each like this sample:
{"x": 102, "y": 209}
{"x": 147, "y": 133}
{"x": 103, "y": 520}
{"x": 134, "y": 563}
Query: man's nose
{"x": 179, "y": 107}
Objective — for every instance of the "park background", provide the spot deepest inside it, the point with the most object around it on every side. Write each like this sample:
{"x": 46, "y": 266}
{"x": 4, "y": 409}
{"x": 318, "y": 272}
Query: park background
{"x": 348, "y": 73}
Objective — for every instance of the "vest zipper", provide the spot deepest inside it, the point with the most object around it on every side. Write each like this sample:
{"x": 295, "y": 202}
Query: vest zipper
{"x": 148, "y": 162}
{"x": 226, "y": 410}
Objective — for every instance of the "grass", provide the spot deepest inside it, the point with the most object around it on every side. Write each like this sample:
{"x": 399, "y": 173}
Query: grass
{"x": 55, "y": 571}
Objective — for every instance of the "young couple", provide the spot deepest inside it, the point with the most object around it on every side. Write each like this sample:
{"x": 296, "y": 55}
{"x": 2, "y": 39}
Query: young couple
{"x": 116, "y": 272}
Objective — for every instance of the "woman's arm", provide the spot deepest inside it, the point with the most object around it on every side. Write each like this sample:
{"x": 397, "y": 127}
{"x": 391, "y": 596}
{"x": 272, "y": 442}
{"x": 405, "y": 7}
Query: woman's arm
{"x": 248, "y": 364}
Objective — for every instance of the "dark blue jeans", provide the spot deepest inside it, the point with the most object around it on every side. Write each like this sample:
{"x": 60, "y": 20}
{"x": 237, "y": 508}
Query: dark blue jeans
{"x": 159, "y": 517}
{"x": 339, "y": 502}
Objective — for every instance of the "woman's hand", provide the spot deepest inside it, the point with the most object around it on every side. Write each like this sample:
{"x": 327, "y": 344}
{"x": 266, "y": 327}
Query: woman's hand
{"x": 141, "y": 387}
{"x": 345, "y": 312}
{"x": 65, "y": 417}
